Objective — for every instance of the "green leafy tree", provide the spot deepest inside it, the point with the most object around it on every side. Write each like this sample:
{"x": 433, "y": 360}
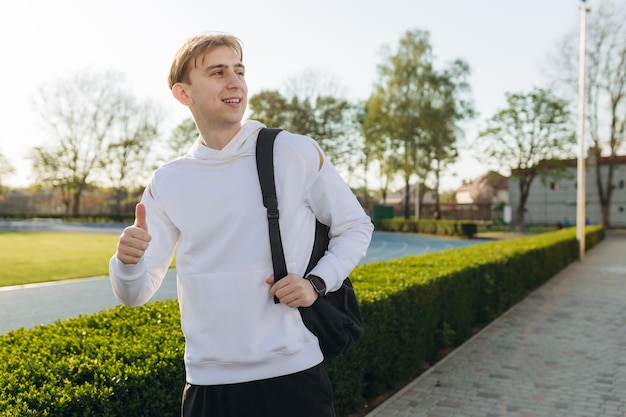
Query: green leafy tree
{"x": 183, "y": 136}
{"x": 379, "y": 146}
{"x": 448, "y": 105}
{"x": 526, "y": 137}
{"x": 331, "y": 121}
{"x": 270, "y": 108}
{"x": 396, "y": 107}
{"x": 412, "y": 117}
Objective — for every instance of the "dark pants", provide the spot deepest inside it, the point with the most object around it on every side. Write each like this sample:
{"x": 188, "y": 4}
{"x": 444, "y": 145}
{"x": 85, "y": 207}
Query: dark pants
{"x": 303, "y": 394}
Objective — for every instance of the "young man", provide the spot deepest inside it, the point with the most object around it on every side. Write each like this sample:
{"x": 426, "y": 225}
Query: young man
{"x": 244, "y": 354}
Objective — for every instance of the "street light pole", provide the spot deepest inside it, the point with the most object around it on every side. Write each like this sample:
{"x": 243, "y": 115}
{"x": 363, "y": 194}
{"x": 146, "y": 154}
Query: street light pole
{"x": 417, "y": 184}
{"x": 580, "y": 201}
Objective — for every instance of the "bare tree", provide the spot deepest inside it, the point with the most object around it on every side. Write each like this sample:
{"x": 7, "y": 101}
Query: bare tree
{"x": 6, "y": 168}
{"x": 605, "y": 95}
{"x": 130, "y": 146}
{"x": 52, "y": 172}
{"x": 85, "y": 116}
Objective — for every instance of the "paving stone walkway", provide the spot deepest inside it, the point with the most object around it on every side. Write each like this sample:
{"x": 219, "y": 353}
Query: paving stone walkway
{"x": 559, "y": 352}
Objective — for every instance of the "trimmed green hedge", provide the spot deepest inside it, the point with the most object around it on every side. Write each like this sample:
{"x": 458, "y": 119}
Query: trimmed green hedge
{"x": 415, "y": 306}
{"x": 121, "y": 362}
{"x": 129, "y": 362}
{"x": 431, "y": 227}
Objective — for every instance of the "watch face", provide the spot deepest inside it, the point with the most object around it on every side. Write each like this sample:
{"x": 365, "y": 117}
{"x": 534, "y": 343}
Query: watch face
{"x": 318, "y": 284}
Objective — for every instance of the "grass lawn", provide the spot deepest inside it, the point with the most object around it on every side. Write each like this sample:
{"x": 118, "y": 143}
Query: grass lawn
{"x": 30, "y": 257}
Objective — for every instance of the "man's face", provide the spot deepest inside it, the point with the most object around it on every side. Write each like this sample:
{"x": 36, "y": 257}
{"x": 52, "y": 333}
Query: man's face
{"x": 218, "y": 88}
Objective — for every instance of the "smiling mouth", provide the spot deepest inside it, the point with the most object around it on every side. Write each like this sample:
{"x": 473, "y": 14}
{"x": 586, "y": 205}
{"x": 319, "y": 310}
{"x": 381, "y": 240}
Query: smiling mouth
{"x": 232, "y": 101}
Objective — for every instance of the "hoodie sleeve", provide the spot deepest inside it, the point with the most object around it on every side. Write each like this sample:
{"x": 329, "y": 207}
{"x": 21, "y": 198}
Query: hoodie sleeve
{"x": 134, "y": 285}
{"x": 335, "y": 205}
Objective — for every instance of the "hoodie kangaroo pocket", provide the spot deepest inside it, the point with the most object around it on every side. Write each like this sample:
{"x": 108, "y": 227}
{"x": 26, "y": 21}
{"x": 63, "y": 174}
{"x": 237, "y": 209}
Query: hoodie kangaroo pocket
{"x": 230, "y": 318}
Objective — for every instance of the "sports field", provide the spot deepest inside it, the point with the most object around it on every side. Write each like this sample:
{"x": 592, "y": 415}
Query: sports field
{"x": 30, "y": 257}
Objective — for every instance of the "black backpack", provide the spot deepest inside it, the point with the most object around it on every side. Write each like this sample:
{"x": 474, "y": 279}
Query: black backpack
{"x": 334, "y": 318}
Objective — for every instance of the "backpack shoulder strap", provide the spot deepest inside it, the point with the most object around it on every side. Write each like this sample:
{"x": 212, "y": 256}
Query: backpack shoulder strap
{"x": 265, "y": 170}
{"x": 265, "y": 167}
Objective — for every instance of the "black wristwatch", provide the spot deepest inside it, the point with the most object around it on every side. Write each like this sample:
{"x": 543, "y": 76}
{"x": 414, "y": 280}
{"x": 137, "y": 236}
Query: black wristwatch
{"x": 318, "y": 284}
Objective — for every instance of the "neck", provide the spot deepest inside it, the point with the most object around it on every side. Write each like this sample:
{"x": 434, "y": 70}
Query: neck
{"x": 218, "y": 138}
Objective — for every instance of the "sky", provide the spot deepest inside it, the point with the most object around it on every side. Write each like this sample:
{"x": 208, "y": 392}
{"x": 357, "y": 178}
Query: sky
{"x": 505, "y": 42}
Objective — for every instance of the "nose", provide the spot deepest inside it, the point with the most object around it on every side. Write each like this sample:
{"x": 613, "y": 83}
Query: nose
{"x": 235, "y": 81}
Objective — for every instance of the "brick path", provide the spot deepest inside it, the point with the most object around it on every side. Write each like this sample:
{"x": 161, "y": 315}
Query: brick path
{"x": 559, "y": 352}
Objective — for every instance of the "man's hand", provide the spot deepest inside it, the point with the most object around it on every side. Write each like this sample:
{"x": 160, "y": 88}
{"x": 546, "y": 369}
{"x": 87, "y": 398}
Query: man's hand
{"x": 293, "y": 291}
{"x": 134, "y": 239}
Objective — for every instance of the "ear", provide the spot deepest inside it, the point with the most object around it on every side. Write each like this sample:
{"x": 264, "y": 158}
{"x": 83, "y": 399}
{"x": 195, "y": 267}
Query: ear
{"x": 179, "y": 91}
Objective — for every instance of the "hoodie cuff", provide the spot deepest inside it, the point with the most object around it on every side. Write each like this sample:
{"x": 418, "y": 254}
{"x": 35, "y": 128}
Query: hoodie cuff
{"x": 127, "y": 272}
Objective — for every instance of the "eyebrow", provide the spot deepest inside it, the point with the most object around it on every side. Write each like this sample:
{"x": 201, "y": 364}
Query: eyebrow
{"x": 212, "y": 67}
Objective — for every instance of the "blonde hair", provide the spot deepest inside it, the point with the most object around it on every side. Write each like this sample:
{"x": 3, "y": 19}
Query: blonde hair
{"x": 195, "y": 48}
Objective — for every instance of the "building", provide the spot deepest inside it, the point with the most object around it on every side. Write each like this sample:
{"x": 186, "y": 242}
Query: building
{"x": 554, "y": 201}
{"x": 491, "y": 188}
{"x": 484, "y": 198}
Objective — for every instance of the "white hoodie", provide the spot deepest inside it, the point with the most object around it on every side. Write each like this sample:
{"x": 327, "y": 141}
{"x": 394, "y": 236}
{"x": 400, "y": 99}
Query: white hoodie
{"x": 209, "y": 204}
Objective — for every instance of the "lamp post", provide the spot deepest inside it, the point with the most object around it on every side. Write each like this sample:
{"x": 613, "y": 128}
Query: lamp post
{"x": 580, "y": 201}
{"x": 417, "y": 184}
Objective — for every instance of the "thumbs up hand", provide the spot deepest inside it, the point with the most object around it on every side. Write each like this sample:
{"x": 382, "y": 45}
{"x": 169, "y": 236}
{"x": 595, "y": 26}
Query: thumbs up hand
{"x": 140, "y": 217}
{"x": 135, "y": 239}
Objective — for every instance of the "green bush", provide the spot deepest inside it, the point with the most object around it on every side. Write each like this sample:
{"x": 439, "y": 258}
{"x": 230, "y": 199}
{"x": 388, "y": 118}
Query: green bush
{"x": 431, "y": 227}
{"x": 415, "y": 306}
{"x": 129, "y": 362}
{"x": 122, "y": 362}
